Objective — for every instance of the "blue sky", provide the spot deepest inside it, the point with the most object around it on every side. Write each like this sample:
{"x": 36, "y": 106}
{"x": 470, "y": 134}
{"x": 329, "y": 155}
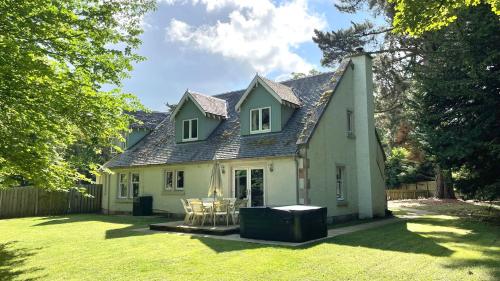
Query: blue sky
{"x": 215, "y": 46}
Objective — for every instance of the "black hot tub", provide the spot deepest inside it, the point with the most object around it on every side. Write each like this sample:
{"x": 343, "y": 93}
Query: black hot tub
{"x": 296, "y": 223}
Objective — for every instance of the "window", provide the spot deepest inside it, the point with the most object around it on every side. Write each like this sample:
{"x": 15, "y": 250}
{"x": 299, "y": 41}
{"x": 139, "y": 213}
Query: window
{"x": 136, "y": 179}
{"x": 122, "y": 186}
{"x": 190, "y": 130}
{"x": 180, "y": 180}
{"x": 350, "y": 123}
{"x": 169, "y": 180}
{"x": 260, "y": 120}
{"x": 340, "y": 182}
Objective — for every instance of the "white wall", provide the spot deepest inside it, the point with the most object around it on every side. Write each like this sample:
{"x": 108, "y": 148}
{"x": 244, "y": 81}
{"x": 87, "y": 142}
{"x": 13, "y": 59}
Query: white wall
{"x": 280, "y": 184}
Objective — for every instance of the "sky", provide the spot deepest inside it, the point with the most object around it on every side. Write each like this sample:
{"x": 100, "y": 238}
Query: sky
{"x": 217, "y": 46}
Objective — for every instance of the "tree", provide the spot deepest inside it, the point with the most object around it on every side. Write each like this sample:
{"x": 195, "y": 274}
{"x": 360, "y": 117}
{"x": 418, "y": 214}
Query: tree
{"x": 394, "y": 54}
{"x": 312, "y": 72}
{"x": 55, "y": 57}
{"x": 457, "y": 101}
{"x": 416, "y": 17}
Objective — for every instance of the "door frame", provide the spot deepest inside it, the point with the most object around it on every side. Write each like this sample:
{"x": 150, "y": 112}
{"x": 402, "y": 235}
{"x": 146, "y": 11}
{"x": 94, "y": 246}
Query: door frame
{"x": 249, "y": 175}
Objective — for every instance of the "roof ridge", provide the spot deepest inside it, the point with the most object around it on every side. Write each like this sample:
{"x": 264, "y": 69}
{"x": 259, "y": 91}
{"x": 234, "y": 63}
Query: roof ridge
{"x": 206, "y": 95}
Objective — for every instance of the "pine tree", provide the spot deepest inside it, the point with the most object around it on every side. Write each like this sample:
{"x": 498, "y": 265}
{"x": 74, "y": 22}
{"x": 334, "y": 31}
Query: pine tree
{"x": 457, "y": 100}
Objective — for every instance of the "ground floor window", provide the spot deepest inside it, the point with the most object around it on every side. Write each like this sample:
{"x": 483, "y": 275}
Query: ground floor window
{"x": 122, "y": 185}
{"x": 128, "y": 185}
{"x": 136, "y": 181}
{"x": 174, "y": 179}
{"x": 180, "y": 180}
{"x": 340, "y": 182}
{"x": 169, "y": 180}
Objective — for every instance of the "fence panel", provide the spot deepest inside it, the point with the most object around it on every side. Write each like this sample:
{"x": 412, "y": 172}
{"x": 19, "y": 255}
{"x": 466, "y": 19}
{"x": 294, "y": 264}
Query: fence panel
{"x": 401, "y": 194}
{"x": 29, "y": 201}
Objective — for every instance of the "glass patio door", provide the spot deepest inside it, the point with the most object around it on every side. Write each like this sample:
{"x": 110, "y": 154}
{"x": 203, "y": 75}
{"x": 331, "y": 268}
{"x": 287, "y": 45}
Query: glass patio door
{"x": 249, "y": 184}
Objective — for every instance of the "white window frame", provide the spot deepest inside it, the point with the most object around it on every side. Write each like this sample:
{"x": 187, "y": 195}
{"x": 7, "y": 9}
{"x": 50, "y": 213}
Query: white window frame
{"x": 131, "y": 187}
{"x": 173, "y": 179}
{"x": 350, "y": 123}
{"x": 190, "y": 129}
{"x": 176, "y": 180}
{"x": 260, "y": 130}
{"x": 340, "y": 181}
{"x": 249, "y": 182}
{"x": 126, "y": 185}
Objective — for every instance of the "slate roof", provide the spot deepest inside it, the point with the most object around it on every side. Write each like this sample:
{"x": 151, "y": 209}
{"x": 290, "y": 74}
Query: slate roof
{"x": 225, "y": 142}
{"x": 285, "y": 92}
{"x": 210, "y": 104}
{"x": 147, "y": 120}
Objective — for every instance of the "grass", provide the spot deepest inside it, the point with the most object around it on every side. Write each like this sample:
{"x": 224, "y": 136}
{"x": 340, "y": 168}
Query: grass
{"x": 353, "y": 222}
{"x": 463, "y": 209}
{"x": 98, "y": 247}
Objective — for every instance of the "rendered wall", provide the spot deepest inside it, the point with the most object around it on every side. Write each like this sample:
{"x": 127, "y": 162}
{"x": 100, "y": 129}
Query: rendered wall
{"x": 330, "y": 146}
{"x": 190, "y": 111}
{"x": 135, "y": 136}
{"x": 280, "y": 184}
{"x": 257, "y": 98}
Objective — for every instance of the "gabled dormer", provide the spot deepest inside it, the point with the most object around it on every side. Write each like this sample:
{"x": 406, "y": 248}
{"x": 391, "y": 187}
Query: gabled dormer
{"x": 197, "y": 115}
{"x": 266, "y": 106}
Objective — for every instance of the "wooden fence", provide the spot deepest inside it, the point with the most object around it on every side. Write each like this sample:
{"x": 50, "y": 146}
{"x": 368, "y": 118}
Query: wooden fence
{"x": 29, "y": 201}
{"x": 401, "y": 194}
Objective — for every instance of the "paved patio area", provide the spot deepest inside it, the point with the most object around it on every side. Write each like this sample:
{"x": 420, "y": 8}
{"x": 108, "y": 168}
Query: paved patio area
{"x": 331, "y": 233}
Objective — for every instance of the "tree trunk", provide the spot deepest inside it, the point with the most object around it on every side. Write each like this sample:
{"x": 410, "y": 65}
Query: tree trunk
{"x": 444, "y": 187}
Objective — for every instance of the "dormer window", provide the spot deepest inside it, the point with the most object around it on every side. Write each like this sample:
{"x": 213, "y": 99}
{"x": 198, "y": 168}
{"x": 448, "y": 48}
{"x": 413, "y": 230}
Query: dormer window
{"x": 260, "y": 119}
{"x": 190, "y": 130}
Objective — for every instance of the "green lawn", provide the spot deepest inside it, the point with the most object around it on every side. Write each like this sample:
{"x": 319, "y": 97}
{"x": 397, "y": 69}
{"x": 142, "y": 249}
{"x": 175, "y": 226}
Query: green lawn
{"x": 98, "y": 247}
{"x": 464, "y": 209}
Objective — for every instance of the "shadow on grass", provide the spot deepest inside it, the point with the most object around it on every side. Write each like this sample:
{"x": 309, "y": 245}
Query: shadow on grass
{"x": 222, "y": 246}
{"x": 11, "y": 259}
{"x": 461, "y": 234}
{"x": 393, "y": 237}
{"x": 132, "y": 225}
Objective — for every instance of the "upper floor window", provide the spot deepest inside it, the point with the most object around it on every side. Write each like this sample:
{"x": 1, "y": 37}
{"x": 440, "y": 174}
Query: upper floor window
{"x": 190, "y": 130}
{"x": 350, "y": 123}
{"x": 260, "y": 120}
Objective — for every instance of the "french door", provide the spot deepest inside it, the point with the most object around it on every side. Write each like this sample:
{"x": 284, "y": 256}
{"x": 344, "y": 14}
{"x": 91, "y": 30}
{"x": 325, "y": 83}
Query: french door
{"x": 248, "y": 183}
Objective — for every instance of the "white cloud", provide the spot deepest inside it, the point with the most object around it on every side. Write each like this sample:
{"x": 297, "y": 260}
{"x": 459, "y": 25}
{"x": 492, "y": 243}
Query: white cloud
{"x": 257, "y": 32}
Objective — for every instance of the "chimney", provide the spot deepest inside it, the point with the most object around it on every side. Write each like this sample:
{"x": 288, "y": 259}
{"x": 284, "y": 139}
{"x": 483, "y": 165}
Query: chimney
{"x": 364, "y": 126}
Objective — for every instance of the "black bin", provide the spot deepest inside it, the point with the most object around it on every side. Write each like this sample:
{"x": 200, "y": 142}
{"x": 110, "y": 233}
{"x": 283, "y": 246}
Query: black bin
{"x": 143, "y": 206}
{"x": 294, "y": 223}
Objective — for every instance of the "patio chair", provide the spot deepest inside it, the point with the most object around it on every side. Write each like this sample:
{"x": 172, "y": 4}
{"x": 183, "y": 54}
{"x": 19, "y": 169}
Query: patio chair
{"x": 222, "y": 210}
{"x": 235, "y": 212}
{"x": 199, "y": 211}
{"x": 187, "y": 209}
{"x": 231, "y": 201}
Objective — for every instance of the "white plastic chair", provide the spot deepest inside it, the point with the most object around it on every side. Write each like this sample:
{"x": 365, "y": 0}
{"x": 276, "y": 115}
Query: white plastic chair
{"x": 188, "y": 210}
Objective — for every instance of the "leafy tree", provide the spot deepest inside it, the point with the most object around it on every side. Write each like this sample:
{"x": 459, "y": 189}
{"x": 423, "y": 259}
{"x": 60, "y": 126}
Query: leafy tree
{"x": 395, "y": 166}
{"x": 55, "y": 56}
{"x": 415, "y": 17}
{"x": 400, "y": 168}
{"x": 297, "y": 75}
{"x": 457, "y": 100}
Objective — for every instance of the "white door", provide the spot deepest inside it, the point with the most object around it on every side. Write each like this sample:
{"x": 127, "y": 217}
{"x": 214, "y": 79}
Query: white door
{"x": 248, "y": 183}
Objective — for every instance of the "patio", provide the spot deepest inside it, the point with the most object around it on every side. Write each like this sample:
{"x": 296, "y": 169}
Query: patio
{"x": 181, "y": 226}
{"x": 231, "y": 233}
